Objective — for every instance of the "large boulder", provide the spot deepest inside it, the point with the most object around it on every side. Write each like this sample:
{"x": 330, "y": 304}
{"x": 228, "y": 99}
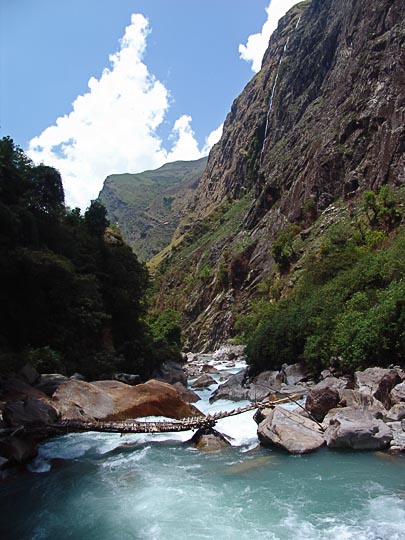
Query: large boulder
{"x": 229, "y": 352}
{"x": 398, "y": 436}
{"x": 357, "y": 429}
{"x": 29, "y": 412}
{"x": 294, "y": 373}
{"x": 127, "y": 378}
{"x": 232, "y": 389}
{"x": 113, "y": 400}
{"x": 396, "y": 413}
{"x": 186, "y": 394}
{"x": 18, "y": 450}
{"x": 398, "y": 393}
{"x": 321, "y": 400}
{"x": 377, "y": 382}
{"x": 17, "y": 390}
{"x": 265, "y": 384}
{"x": 357, "y": 400}
{"x": 291, "y": 431}
{"x": 49, "y": 382}
{"x": 204, "y": 381}
{"x": 171, "y": 372}
{"x": 333, "y": 382}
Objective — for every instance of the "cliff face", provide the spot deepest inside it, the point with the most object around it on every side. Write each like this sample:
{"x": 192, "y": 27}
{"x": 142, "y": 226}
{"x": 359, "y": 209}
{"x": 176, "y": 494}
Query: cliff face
{"x": 324, "y": 119}
{"x": 148, "y": 206}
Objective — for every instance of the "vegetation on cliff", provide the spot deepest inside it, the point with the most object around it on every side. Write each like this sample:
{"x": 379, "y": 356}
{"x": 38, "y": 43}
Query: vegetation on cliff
{"x": 72, "y": 293}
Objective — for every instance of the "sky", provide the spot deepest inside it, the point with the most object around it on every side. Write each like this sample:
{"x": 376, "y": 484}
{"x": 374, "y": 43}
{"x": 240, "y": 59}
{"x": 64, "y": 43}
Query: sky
{"x": 98, "y": 87}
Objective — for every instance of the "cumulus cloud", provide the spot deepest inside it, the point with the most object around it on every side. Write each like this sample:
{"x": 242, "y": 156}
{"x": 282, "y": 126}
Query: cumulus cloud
{"x": 256, "y": 45}
{"x": 112, "y": 127}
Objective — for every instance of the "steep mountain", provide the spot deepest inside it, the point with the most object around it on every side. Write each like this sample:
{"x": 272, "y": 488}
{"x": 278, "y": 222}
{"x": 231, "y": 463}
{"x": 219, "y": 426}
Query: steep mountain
{"x": 322, "y": 122}
{"x": 148, "y": 206}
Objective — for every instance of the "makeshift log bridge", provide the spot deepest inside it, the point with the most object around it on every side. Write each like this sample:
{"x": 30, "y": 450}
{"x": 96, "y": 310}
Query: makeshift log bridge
{"x": 167, "y": 426}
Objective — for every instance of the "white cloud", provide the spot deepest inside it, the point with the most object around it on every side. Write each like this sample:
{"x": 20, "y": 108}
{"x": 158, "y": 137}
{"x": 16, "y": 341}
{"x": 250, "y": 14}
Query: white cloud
{"x": 212, "y": 139}
{"x": 256, "y": 44}
{"x": 112, "y": 127}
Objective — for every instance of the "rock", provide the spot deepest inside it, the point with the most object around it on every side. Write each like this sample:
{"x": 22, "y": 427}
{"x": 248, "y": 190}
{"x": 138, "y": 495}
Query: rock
{"x": 209, "y": 440}
{"x": 207, "y": 368}
{"x": 29, "y": 374}
{"x": 232, "y": 389}
{"x": 113, "y": 400}
{"x": 289, "y": 430}
{"x": 357, "y": 400}
{"x": 294, "y": 373}
{"x": 228, "y": 352}
{"x": 18, "y": 450}
{"x": 325, "y": 374}
{"x": 398, "y": 436}
{"x": 170, "y": 372}
{"x": 77, "y": 377}
{"x": 377, "y": 382}
{"x": 397, "y": 412}
{"x": 321, "y": 400}
{"x": 186, "y": 394}
{"x": 4, "y": 463}
{"x": 49, "y": 382}
{"x": 398, "y": 393}
{"x": 127, "y": 378}
{"x": 203, "y": 382}
{"x": 291, "y": 389}
{"x": 29, "y": 412}
{"x": 16, "y": 390}
{"x": 357, "y": 429}
{"x": 333, "y": 382}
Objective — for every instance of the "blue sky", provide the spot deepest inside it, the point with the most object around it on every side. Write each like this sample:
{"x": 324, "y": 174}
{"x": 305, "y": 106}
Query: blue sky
{"x": 95, "y": 87}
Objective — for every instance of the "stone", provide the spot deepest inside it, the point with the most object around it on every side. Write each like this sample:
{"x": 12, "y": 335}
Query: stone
{"x": 228, "y": 352}
{"x": 398, "y": 436}
{"x": 321, "y": 400}
{"x": 49, "y": 382}
{"x": 290, "y": 431}
{"x": 186, "y": 393}
{"x": 29, "y": 374}
{"x": 18, "y": 450}
{"x": 333, "y": 382}
{"x": 29, "y": 412}
{"x": 209, "y": 440}
{"x": 357, "y": 429}
{"x": 232, "y": 389}
{"x": 4, "y": 463}
{"x": 170, "y": 372}
{"x": 398, "y": 393}
{"x": 77, "y": 377}
{"x": 377, "y": 382}
{"x": 207, "y": 368}
{"x": 204, "y": 381}
{"x": 16, "y": 390}
{"x": 127, "y": 378}
{"x": 357, "y": 400}
{"x": 294, "y": 373}
{"x": 292, "y": 389}
{"x": 397, "y": 412}
{"x": 113, "y": 400}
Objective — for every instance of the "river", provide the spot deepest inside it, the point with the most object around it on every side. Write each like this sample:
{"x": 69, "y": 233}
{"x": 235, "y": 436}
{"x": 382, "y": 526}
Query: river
{"x": 105, "y": 487}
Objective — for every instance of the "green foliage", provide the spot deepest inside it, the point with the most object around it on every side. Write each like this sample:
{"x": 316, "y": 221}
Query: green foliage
{"x": 381, "y": 209}
{"x": 166, "y": 326}
{"x": 283, "y": 250}
{"x": 71, "y": 301}
{"x": 204, "y": 273}
{"x": 349, "y": 304}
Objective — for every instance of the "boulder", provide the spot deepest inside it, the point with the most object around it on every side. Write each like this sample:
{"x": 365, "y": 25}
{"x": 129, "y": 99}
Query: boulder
{"x": 334, "y": 383}
{"x": 170, "y": 372}
{"x": 377, "y": 382}
{"x": 204, "y": 381}
{"x": 113, "y": 400}
{"x": 207, "y": 368}
{"x": 127, "y": 378}
{"x": 292, "y": 389}
{"x": 357, "y": 400}
{"x": 29, "y": 374}
{"x": 267, "y": 382}
{"x": 294, "y": 373}
{"x": 209, "y": 440}
{"x": 291, "y": 431}
{"x": 396, "y": 413}
{"x": 321, "y": 400}
{"x": 77, "y": 377}
{"x": 29, "y": 412}
{"x": 398, "y": 393}
{"x": 18, "y": 450}
{"x": 49, "y": 382}
{"x": 4, "y": 463}
{"x": 398, "y": 436}
{"x": 357, "y": 429}
{"x": 228, "y": 352}
{"x": 186, "y": 394}
{"x": 16, "y": 390}
{"x": 232, "y": 389}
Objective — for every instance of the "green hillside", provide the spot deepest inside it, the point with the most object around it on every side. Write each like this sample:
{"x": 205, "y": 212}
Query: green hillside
{"x": 148, "y": 206}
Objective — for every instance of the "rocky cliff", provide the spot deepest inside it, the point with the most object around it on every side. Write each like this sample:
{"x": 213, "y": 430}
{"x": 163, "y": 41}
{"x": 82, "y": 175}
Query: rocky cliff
{"x": 321, "y": 122}
{"x": 148, "y": 206}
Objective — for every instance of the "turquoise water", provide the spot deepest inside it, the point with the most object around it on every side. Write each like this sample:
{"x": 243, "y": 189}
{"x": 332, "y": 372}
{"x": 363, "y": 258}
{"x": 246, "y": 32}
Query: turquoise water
{"x": 105, "y": 487}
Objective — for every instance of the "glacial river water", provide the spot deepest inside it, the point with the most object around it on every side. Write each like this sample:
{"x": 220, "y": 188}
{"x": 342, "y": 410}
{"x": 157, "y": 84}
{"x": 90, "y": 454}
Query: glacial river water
{"x": 138, "y": 487}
